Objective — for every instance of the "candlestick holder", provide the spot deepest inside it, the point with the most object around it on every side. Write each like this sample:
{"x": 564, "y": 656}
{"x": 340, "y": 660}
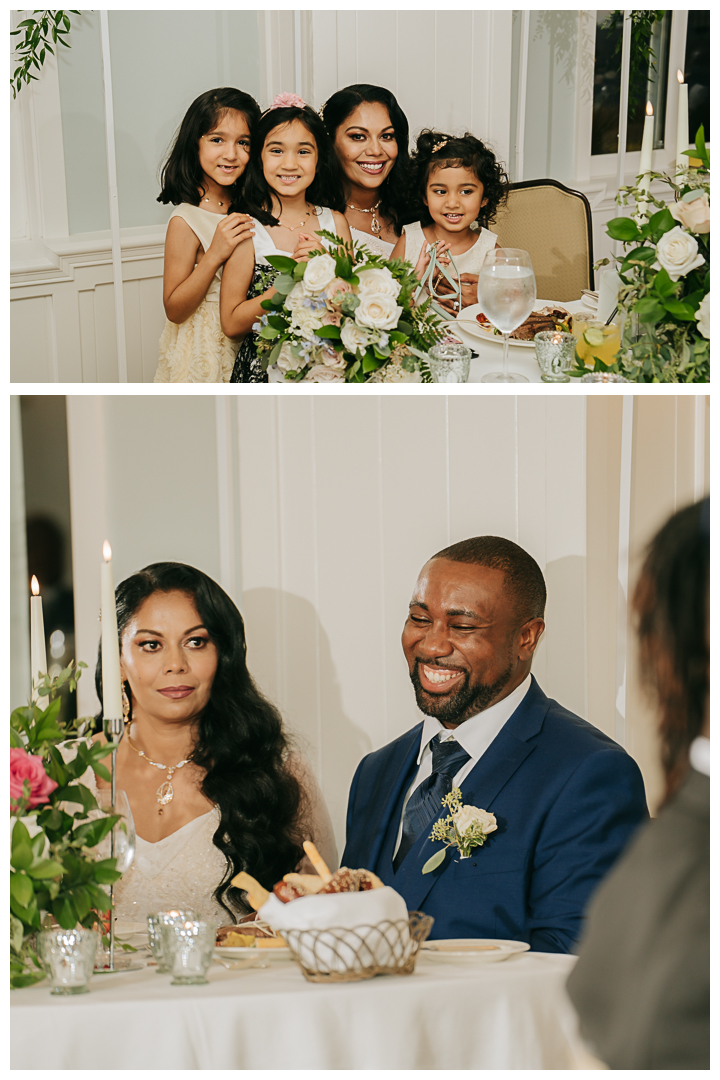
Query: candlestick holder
{"x": 555, "y": 351}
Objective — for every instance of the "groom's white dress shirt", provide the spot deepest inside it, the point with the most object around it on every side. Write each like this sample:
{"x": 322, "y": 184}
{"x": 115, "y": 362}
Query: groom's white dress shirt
{"x": 475, "y": 736}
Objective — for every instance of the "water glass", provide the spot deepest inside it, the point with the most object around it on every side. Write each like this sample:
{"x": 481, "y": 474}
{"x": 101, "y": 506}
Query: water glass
{"x": 155, "y": 922}
{"x": 188, "y": 950}
{"x": 67, "y": 956}
{"x": 449, "y": 363}
{"x": 506, "y": 294}
{"x": 555, "y": 351}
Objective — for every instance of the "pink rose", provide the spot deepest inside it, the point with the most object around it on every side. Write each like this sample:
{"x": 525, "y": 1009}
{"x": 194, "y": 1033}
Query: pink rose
{"x": 332, "y": 318}
{"x": 286, "y": 100}
{"x": 336, "y": 290}
{"x": 24, "y": 766}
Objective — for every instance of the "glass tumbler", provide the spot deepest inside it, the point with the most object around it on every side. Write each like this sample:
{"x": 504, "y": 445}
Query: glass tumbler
{"x": 155, "y": 922}
{"x": 555, "y": 351}
{"x": 449, "y": 363}
{"x": 67, "y": 957}
{"x": 188, "y": 950}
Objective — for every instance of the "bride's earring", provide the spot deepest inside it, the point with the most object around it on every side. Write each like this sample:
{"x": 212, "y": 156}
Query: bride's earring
{"x": 125, "y": 705}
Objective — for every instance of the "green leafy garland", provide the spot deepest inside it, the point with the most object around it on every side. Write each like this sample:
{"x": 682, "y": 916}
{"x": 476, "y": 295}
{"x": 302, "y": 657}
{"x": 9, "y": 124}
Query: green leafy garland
{"x": 44, "y": 27}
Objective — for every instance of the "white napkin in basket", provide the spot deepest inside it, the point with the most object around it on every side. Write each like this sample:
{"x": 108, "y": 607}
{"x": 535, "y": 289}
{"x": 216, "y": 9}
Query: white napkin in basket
{"x": 360, "y": 911}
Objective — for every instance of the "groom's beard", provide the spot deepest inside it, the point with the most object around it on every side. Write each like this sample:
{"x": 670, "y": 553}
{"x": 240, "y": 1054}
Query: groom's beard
{"x": 459, "y": 706}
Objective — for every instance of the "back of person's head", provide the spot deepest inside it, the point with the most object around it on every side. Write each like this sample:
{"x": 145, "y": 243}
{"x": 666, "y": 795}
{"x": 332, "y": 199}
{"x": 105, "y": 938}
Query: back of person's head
{"x": 435, "y": 150}
{"x": 524, "y": 580}
{"x": 255, "y": 196}
{"x": 182, "y": 177}
{"x": 393, "y": 192}
{"x": 672, "y": 605}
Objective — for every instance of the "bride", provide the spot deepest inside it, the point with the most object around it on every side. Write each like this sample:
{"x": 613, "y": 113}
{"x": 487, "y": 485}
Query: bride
{"x": 213, "y": 784}
{"x": 369, "y": 131}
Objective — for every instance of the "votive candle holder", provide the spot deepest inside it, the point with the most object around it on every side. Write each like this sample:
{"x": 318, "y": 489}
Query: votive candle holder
{"x": 555, "y": 351}
{"x": 67, "y": 957}
{"x": 174, "y": 917}
{"x": 187, "y": 949}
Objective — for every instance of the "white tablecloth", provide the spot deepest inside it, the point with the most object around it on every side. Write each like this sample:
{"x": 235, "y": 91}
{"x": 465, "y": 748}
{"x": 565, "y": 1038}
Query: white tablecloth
{"x": 450, "y": 1014}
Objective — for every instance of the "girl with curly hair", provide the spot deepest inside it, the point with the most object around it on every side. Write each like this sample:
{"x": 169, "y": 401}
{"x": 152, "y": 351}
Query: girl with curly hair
{"x": 458, "y": 186}
{"x": 213, "y": 783}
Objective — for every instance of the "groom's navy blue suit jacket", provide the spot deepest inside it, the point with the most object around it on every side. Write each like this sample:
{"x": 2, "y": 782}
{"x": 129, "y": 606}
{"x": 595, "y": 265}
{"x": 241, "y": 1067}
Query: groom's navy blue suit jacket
{"x": 566, "y": 798}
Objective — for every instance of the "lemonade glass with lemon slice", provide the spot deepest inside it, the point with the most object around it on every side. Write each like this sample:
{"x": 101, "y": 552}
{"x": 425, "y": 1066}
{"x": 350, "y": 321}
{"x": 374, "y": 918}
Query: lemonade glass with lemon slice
{"x": 595, "y": 340}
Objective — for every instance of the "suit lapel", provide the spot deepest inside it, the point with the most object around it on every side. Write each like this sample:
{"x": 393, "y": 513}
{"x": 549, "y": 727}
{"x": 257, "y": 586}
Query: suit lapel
{"x": 397, "y": 776}
{"x": 497, "y": 765}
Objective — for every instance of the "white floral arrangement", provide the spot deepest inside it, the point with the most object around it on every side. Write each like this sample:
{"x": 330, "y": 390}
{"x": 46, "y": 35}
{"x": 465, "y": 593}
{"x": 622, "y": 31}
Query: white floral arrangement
{"x": 345, "y": 315}
{"x": 665, "y": 274}
{"x": 465, "y": 827}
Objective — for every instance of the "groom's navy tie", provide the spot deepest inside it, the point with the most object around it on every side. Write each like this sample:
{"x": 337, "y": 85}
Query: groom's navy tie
{"x": 426, "y": 800}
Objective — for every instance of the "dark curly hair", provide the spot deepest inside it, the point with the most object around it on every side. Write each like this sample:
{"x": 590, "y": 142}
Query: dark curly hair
{"x": 240, "y": 743}
{"x": 672, "y": 607}
{"x": 255, "y": 196}
{"x": 393, "y": 191}
{"x": 181, "y": 177}
{"x": 435, "y": 150}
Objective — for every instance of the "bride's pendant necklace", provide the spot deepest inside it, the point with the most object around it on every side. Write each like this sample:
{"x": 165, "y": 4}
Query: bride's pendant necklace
{"x": 165, "y": 792}
{"x": 375, "y": 226}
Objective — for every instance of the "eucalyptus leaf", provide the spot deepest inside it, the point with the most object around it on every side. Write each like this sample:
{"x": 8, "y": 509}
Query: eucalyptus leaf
{"x": 434, "y": 861}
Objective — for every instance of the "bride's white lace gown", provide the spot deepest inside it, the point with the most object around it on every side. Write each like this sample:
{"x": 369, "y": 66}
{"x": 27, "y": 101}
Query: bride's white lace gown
{"x": 184, "y": 869}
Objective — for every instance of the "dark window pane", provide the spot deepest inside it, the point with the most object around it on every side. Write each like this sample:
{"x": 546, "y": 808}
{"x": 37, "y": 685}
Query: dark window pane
{"x": 697, "y": 72}
{"x": 645, "y": 85}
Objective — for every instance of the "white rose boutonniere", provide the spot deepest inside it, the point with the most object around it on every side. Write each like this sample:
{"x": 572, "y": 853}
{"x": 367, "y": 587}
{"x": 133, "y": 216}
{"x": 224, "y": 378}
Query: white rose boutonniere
{"x": 465, "y": 828}
{"x": 677, "y": 252}
{"x": 320, "y": 271}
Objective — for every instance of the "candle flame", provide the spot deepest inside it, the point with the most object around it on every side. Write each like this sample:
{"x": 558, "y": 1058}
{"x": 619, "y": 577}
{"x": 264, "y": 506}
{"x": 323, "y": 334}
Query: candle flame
{"x": 107, "y": 551}
{"x": 680, "y": 76}
{"x": 35, "y": 586}
{"x": 649, "y": 109}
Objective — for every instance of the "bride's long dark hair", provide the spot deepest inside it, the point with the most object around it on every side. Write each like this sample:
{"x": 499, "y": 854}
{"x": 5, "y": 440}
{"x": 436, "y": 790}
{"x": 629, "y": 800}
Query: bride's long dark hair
{"x": 240, "y": 743}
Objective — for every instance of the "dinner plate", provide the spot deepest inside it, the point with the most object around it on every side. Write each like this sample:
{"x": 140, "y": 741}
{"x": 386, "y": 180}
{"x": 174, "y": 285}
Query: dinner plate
{"x": 466, "y": 321}
{"x": 280, "y": 953}
{"x": 478, "y": 950}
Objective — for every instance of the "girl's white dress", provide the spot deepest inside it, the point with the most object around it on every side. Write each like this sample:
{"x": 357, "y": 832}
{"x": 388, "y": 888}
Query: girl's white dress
{"x": 184, "y": 869}
{"x": 197, "y": 350}
{"x": 470, "y": 262}
{"x": 247, "y": 365}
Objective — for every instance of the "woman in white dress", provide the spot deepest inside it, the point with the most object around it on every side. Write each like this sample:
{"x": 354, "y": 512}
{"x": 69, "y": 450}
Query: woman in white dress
{"x": 369, "y": 131}
{"x": 213, "y": 784}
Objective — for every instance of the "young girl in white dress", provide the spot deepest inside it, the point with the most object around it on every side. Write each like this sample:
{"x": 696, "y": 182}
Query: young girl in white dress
{"x": 458, "y": 187}
{"x": 200, "y": 178}
{"x": 292, "y": 189}
{"x": 370, "y": 134}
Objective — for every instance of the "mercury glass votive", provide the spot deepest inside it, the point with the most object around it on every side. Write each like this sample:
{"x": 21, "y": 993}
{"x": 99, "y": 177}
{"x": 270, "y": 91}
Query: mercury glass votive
{"x": 603, "y": 376}
{"x": 449, "y": 363}
{"x": 555, "y": 351}
{"x": 187, "y": 949}
{"x": 165, "y": 918}
{"x": 67, "y": 957}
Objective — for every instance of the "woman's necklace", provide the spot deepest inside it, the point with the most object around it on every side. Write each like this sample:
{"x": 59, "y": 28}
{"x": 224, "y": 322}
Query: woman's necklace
{"x": 165, "y": 792}
{"x": 375, "y": 225}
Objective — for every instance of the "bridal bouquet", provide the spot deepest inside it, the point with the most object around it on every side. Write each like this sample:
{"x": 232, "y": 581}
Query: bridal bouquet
{"x": 466, "y": 827}
{"x": 53, "y": 871}
{"x": 665, "y": 295}
{"x": 346, "y": 315}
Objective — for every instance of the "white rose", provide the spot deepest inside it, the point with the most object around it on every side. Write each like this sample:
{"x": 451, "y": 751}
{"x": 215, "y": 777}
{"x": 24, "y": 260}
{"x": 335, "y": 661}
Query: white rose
{"x": 378, "y": 280}
{"x": 307, "y": 320}
{"x": 378, "y": 311}
{"x": 334, "y": 359}
{"x": 286, "y": 361}
{"x": 677, "y": 253}
{"x": 352, "y": 337}
{"x": 466, "y": 815}
{"x": 319, "y": 272}
{"x": 295, "y": 297}
{"x": 394, "y": 373}
{"x": 320, "y": 373}
{"x": 703, "y": 316}
{"x": 693, "y": 214}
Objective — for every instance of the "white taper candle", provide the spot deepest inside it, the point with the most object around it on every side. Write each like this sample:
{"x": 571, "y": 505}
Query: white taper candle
{"x": 646, "y": 157}
{"x": 682, "y": 141}
{"x": 112, "y": 687}
{"x": 38, "y": 656}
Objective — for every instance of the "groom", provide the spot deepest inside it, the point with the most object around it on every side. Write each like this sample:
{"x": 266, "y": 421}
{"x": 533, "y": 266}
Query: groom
{"x": 565, "y": 796}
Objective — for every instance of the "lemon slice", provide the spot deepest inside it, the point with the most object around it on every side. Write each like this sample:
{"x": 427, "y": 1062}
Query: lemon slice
{"x": 594, "y": 336}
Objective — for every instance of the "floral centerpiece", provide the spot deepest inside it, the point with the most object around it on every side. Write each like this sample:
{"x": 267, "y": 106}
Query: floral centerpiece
{"x": 346, "y": 315}
{"x": 465, "y": 827}
{"x": 54, "y": 825}
{"x": 665, "y": 274}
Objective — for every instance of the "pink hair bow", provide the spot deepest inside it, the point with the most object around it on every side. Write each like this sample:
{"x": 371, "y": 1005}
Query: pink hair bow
{"x": 287, "y": 101}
